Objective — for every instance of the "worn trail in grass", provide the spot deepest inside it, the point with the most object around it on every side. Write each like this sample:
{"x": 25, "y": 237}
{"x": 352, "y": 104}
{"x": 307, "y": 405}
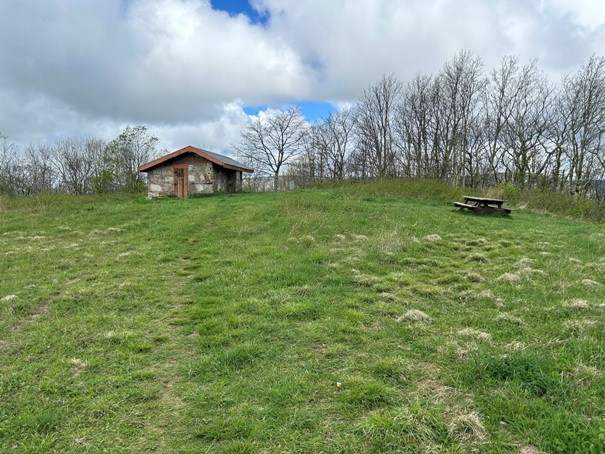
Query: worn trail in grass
{"x": 313, "y": 321}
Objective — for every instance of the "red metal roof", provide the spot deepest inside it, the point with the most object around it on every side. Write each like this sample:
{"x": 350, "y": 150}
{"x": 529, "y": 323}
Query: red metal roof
{"x": 223, "y": 161}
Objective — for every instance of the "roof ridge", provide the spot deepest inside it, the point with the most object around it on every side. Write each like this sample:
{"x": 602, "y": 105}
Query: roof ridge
{"x": 217, "y": 158}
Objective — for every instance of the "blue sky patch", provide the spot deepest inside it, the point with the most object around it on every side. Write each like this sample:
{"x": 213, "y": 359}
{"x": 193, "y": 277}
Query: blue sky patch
{"x": 254, "y": 110}
{"x": 312, "y": 110}
{"x": 315, "y": 110}
{"x": 235, "y": 7}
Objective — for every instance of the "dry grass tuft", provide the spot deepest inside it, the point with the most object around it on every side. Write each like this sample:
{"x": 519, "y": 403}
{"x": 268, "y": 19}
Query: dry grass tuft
{"x": 480, "y": 258}
{"x": 79, "y": 366}
{"x": 463, "y": 353}
{"x": 307, "y": 239}
{"x": 530, "y": 450}
{"x": 515, "y": 345}
{"x": 360, "y": 238}
{"x": 9, "y": 298}
{"x": 433, "y": 237}
{"x": 470, "y": 332}
{"x": 525, "y": 261}
{"x": 579, "y": 325}
{"x": 467, "y": 427}
{"x": 390, "y": 242}
{"x": 487, "y": 294}
{"x": 509, "y": 277}
{"x": 340, "y": 237}
{"x": 414, "y": 315}
{"x": 573, "y": 260}
{"x": 583, "y": 372}
{"x": 366, "y": 280}
{"x": 82, "y": 441}
{"x": 529, "y": 271}
{"x": 579, "y": 304}
{"x": 386, "y": 296}
{"x": 474, "y": 277}
{"x": 589, "y": 282}
{"x": 510, "y": 318}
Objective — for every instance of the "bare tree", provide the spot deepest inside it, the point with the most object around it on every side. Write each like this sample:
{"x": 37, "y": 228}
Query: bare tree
{"x": 525, "y": 127}
{"x": 499, "y": 102}
{"x": 460, "y": 113}
{"x": 459, "y": 126}
{"x": 581, "y": 122}
{"x": 416, "y": 127}
{"x": 335, "y": 140}
{"x": 375, "y": 114}
{"x": 327, "y": 147}
{"x": 37, "y": 166}
{"x": 73, "y": 164}
{"x": 273, "y": 140}
{"x": 359, "y": 164}
{"x": 8, "y": 151}
{"x": 311, "y": 164}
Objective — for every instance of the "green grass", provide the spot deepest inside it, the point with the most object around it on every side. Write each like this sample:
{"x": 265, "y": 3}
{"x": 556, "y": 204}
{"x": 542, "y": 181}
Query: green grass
{"x": 226, "y": 323}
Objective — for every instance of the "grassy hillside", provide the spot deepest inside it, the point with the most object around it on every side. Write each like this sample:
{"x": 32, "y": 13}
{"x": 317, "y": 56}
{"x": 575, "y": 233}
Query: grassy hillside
{"x": 333, "y": 320}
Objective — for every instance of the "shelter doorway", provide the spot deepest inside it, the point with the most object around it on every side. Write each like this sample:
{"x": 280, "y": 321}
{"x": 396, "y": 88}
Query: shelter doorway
{"x": 180, "y": 181}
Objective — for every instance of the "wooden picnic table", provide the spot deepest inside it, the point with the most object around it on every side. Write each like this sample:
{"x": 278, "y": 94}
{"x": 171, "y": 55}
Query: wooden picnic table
{"x": 486, "y": 204}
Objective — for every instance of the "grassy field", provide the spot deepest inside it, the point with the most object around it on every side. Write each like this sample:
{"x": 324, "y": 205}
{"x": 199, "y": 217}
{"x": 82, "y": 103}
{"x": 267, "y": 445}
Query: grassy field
{"x": 333, "y": 320}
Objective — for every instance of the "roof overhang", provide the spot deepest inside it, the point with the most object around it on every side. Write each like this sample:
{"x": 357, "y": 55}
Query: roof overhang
{"x": 190, "y": 149}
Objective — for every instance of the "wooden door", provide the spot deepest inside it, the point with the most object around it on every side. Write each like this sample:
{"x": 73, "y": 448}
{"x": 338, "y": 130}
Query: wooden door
{"x": 180, "y": 182}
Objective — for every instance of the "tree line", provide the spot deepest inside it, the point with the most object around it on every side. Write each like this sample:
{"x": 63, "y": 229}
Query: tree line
{"x": 77, "y": 165}
{"x": 463, "y": 125}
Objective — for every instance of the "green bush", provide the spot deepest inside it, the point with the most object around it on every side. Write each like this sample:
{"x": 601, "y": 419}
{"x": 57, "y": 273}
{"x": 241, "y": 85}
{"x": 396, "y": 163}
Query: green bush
{"x": 511, "y": 193}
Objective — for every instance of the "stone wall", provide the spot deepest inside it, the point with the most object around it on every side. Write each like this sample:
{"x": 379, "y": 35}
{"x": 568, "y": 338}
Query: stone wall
{"x": 160, "y": 181}
{"x": 227, "y": 180}
{"x": 201, "y": 178}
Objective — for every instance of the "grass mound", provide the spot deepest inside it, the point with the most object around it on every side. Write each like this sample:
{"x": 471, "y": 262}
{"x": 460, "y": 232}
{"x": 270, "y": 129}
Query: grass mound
{"x": 351, "y": 319}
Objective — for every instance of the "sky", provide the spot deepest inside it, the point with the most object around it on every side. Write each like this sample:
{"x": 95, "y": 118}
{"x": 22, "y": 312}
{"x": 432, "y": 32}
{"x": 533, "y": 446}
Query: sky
{"x": 194, "y": 71}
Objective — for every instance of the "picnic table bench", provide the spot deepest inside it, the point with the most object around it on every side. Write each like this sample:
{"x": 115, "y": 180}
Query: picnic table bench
{"x": 485, "y": 204}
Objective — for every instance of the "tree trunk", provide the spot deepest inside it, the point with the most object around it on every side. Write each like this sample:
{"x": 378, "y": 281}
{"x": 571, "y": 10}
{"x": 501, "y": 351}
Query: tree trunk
{"x": 276, "y": 181}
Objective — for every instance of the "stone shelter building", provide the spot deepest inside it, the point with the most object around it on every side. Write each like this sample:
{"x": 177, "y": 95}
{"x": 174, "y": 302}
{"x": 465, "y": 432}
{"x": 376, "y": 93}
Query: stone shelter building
{"x": 192, "y": 170}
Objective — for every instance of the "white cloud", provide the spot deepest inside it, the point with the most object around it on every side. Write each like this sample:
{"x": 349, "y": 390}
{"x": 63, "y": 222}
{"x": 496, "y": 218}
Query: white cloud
{"x": 587, "y": 13}
{"x": 185, "y": 70}
{"x": 216, "y": 135}
{"x": 355, "y": 41}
